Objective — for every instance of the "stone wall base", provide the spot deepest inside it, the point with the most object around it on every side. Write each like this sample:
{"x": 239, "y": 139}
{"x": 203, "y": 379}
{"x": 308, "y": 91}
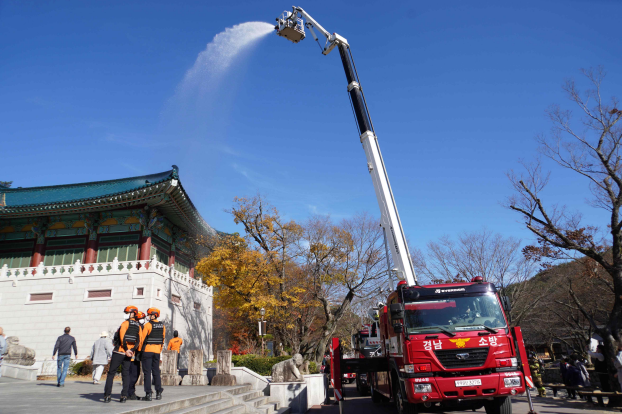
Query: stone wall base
{"x": 194, "y": 380}
{"x": 223, "y": 380}
{"x": 22, "y": 372}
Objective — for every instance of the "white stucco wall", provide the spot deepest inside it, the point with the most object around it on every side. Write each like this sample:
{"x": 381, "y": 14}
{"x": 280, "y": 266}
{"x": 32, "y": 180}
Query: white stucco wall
{"x": 39, "y": 324}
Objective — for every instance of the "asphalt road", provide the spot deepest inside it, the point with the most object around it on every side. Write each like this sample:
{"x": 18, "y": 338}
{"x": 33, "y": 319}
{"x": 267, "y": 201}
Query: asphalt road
{"x": 355, "y": 404}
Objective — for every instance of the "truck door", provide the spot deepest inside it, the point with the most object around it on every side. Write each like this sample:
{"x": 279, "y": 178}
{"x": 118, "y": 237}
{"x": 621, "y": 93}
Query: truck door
{"x": 395, "y": 340}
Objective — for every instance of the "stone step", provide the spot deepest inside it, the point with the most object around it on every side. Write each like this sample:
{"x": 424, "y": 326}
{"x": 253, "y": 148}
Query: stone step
{"x": 269, "y": 408}
{"x": 284, "y": 410}
{"x": 256, "y": 402}
{"x": 166, "y": 407}
{"x": 207, "y": 408}
{"x": 249, "y": 395}
{"x": 240, "y": 389}
{"x": 235, "y": 409}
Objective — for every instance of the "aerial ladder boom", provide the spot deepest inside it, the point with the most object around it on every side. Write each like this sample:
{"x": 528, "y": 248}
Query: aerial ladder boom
{"x": 291, "y": 26}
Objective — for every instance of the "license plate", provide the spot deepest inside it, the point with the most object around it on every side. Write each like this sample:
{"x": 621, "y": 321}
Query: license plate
{"x": 468, "y": 383}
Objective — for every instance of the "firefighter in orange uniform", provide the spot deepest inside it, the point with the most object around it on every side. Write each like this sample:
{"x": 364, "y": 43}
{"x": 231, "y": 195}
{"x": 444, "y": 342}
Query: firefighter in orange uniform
{"x": 126, "y": 342}
{"x": 135, "y": 365}
{"x": 152, "y": 340}
{"x": 175, "y": 345}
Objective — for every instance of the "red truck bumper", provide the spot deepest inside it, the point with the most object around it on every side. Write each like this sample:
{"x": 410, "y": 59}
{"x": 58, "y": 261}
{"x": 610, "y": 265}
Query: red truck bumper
{"x": 444, "y": 389}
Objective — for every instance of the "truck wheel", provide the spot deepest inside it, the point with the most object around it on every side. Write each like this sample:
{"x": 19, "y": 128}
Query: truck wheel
{"x": 502, "y": 405}
{"x": 403, "y": 407}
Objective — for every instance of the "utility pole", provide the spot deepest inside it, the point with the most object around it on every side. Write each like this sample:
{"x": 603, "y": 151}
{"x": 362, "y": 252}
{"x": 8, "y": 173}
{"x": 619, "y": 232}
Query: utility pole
{"x": 262, "y": 330}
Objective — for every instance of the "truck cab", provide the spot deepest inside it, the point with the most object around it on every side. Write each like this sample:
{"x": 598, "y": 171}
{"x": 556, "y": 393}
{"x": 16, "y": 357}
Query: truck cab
{"x": 449, "y": 347}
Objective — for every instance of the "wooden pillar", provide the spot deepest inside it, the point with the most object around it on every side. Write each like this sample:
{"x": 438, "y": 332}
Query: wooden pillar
{"x": 191, "y": 272}
{"x": 91, "y": 251}
{"x": 37, "y": 257}
{"x": 171, "y": 258}
{"x": 145, "y": 247}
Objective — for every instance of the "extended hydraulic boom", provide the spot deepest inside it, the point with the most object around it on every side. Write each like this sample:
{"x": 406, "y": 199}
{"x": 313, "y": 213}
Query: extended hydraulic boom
{"x": 291, "y": 26}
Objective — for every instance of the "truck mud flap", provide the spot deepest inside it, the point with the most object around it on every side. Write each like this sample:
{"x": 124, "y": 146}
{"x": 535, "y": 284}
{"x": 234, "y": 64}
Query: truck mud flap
{"x": 363, "y": 365}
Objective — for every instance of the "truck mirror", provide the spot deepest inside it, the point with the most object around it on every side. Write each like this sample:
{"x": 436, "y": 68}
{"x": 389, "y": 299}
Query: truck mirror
{"x": 397, "y": 311}
{"x": 507, "y": 306}
{"x": 398, "y": 328}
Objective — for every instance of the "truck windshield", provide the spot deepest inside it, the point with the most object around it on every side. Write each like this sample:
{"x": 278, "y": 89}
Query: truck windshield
{"x": 454, "y": 314}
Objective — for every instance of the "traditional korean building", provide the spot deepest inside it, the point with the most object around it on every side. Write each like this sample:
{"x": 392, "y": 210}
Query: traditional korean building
{"x": 75, "y": 255}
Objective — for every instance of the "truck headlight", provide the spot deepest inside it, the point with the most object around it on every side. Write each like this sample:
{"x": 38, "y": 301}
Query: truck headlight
{"x": 423, "y": 387}
{"x": 512, "y": 382}
{"x": 514, "y": 362}
{"x": 409, "y": 369}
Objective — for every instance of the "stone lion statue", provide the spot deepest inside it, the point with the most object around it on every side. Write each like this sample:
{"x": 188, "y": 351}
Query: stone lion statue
{"x": 288, "y": 370}
{"x": 18, "y": 354}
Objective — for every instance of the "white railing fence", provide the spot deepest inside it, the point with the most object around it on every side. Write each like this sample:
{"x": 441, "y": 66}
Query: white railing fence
{"x": 91, "y": 269}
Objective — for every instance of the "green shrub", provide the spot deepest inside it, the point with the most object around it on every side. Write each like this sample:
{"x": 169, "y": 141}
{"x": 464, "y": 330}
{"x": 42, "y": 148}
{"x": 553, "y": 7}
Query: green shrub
{"x": 261, "y": 365}
{"x": 313, "y": 369}
{"x": 81, "y": 368}
{"x": 86, "y": 368}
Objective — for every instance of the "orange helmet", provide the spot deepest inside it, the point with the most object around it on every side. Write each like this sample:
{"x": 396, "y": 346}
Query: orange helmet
{"x": 129, "y": 309}
{"x": 140, "y": 315}
{"x": 153, "y": 311}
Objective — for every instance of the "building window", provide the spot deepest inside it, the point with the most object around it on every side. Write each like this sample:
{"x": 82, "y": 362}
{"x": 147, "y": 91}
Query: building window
{"x": 181, "y": 266}
{"x": 139, "y": 292}
{"x": 17, "y": 245}
{"x": 119, "y": 239}
{"x": 19, "y": 259}
{"x": 160, "y": 249}
{"x": 123, "y": 253}
{"x": 66, "y": 242}
{"x": 98, "y": 294}
{"x": 36, "y": 297}
{"x": 42, "y": 297}
{"x": 59, "y": 257}
{"x": 159, "y": 294}
{"x": 176, "y": 299}
{"x": 197, "y": 306}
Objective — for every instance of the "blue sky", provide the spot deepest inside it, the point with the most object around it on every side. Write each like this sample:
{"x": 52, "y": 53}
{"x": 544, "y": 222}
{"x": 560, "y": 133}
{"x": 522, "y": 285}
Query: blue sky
{"x": 457, "y": 91}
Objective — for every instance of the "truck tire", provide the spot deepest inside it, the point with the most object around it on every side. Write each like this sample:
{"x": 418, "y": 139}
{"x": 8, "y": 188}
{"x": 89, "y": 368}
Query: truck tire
{"x": 403, "y": 407}
{"x": 502, "y": 405}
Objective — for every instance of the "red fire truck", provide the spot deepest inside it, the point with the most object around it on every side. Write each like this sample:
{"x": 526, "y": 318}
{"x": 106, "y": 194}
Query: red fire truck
{"x": 443, "y": 347}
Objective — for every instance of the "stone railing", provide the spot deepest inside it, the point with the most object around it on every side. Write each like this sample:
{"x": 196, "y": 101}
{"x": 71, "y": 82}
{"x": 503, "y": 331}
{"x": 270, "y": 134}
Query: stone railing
{"x": 93, "y": 269}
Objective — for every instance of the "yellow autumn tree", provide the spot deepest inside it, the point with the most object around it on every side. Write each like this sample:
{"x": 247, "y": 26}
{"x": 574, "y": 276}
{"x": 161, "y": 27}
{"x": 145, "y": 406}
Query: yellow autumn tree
{"x": 240, "y": 275}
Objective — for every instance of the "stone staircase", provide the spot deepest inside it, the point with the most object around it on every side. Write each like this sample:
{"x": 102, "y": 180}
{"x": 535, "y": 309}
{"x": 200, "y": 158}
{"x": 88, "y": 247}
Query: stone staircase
{"x": 231, "y": 400}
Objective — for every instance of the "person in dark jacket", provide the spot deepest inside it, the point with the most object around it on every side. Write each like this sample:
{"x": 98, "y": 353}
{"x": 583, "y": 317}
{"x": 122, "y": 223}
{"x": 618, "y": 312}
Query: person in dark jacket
{"x": 63, "y": 346}
{"x": 600, "y": 367}
{"x": 574, "y": 378}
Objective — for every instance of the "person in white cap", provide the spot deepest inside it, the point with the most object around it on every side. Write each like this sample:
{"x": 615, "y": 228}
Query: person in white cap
{"x": 100, "y": 355}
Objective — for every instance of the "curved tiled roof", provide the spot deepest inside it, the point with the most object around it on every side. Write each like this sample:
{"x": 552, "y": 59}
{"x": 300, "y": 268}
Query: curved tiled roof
{"x": 162, "y": 190}
{"x": 37, "y": 196}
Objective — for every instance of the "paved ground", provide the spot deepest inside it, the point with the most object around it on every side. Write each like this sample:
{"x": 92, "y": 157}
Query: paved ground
{"x": 43, "y": 397}
{"x": 363, "y": 405}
